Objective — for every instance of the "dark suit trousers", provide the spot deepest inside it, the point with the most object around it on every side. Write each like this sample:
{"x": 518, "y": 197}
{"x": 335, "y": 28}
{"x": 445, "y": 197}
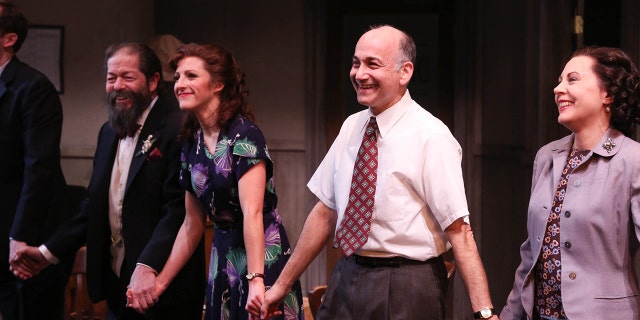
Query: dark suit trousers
{"x": 41, "y": 297}
{"x": 407, "y": 291}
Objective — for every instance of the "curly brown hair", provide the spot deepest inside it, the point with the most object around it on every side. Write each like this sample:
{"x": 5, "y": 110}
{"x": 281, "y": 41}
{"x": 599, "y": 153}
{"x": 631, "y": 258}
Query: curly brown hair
{"x": 619, "y": 76}
{"x": 222, "y": 67}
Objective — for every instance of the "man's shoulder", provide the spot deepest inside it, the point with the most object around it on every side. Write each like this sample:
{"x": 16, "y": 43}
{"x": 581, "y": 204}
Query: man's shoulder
{"x": 22, "y": 72}
{"x": 420, "y": 119}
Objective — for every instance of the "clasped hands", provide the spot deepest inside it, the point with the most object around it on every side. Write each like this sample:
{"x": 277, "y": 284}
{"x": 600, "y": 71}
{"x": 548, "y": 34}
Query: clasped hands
{"x": 263, "y": 303}
{"x": 146, "y": 287}
{"x": 144, "y": 290}
{"x": 25, "y": 261}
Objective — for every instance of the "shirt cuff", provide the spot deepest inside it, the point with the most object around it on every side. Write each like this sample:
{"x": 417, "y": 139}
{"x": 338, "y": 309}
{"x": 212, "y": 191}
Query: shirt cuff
{"x": 144, "y": 265}
{"x": 48, "y": 255}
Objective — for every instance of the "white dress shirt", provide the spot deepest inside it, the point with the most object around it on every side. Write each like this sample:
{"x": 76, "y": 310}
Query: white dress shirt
{"x": 119, "y": 175}
{"x": 419, "y": 190}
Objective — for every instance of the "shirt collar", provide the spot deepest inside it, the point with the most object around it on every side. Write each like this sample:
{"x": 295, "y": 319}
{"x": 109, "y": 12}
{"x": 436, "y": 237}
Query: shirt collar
{"x": 2, "y": 67}
{"x": 608, "y": 145}
{"x": 145, "y": 114}
{"x": 389, "y": 117}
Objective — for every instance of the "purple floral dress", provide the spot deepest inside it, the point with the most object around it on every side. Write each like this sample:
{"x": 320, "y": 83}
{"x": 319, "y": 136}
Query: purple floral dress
{"x": 213, "y": 178}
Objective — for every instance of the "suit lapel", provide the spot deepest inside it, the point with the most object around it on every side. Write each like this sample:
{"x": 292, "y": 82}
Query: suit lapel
{"x": 151, "y": 126}
{"x": 3, "y": 88}
{"x": 8, "y": 75}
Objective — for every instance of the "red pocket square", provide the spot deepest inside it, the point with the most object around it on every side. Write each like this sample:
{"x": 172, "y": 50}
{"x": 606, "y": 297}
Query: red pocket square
{"x": 154, "y": 154}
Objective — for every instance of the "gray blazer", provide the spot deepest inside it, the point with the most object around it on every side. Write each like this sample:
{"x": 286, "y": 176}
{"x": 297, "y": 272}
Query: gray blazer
{"x": 600, "y": 228}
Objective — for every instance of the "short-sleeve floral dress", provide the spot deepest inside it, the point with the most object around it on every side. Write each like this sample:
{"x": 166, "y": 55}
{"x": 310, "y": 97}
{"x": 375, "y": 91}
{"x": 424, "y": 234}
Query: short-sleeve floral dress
{"x": 213, "y": 179}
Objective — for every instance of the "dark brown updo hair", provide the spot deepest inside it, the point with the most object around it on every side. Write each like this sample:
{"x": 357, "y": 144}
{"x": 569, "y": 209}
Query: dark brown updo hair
{"x": 618, "y": 76}
{"x": 222, "y": 67}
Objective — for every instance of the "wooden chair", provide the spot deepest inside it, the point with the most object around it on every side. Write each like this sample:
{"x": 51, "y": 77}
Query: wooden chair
{"x": 315, "y": 298}
{"x": 78, "y": 306}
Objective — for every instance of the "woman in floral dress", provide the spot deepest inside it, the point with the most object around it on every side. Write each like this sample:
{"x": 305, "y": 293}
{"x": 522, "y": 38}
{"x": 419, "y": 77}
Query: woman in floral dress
{"x": 228, "y": 176}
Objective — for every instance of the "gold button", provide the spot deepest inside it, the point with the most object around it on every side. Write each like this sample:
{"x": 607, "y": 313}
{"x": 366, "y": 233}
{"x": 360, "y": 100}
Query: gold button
{"x": 572, "y": 276}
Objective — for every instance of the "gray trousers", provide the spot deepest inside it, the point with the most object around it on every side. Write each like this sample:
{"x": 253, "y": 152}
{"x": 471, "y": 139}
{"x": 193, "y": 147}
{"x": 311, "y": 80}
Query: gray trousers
{"x": 407, "y": 291}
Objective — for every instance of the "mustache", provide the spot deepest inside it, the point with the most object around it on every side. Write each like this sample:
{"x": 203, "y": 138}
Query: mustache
{"x": 113, "y": 95}
{"x": 124, "y": 121}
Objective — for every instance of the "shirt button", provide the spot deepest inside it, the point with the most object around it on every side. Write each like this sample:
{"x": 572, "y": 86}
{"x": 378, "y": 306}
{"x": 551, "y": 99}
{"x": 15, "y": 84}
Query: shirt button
{"x": 576, "y": 183}
{"x": 567, "y": 245}
{"x": 567, "y": 214}
{"x": 572, "y": 275}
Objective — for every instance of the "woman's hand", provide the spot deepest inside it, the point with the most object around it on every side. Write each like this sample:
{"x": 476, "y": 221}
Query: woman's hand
{"x": 255, "y": 298}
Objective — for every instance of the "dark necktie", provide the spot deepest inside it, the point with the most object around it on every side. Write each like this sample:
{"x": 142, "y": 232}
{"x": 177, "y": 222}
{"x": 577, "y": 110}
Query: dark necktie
{"x": 356, "y": 223}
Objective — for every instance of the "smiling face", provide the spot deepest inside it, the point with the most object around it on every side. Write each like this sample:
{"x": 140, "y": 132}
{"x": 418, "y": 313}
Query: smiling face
{"x": 580, "y": 96}
{"x": 125, "y": 79}
{"x": 128, "y": 92}
{"x": 375, "y": 75}
{"x": 193, "y": 87}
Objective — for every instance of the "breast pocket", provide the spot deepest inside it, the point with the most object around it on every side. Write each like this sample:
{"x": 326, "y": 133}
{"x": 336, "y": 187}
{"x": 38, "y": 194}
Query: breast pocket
{"x": 394, "y": 199}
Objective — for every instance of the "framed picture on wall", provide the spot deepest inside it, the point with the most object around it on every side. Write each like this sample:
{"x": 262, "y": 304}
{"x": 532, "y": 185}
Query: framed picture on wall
{"x": 43, "y": 50}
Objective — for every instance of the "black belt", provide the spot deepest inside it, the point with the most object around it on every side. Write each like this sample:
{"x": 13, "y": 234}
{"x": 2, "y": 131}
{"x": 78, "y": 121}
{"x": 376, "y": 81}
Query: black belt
{"x": 374, "y": 262}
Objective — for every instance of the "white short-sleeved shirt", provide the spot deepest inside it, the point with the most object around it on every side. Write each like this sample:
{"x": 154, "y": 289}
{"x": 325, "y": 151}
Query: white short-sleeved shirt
{"x": 420, "y": 190}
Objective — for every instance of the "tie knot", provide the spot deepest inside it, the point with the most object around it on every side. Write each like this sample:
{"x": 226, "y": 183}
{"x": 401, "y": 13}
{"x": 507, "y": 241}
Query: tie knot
{"x": 372, "y": 126}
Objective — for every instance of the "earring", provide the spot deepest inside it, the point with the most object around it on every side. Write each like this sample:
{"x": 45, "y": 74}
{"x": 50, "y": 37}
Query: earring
{"x": 607, "y": 109}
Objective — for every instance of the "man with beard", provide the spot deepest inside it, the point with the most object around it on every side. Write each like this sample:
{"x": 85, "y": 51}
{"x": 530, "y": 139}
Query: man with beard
{"x": 134, "y": 206}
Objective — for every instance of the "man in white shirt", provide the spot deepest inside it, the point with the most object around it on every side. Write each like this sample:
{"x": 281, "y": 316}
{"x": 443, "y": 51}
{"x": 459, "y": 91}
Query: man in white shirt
{"x": 135, "y": 206}
{"x": 419, "y": 207}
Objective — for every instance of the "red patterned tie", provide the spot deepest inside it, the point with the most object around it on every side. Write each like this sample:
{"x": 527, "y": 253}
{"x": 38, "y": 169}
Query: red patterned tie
{"x": 356, "y": 223}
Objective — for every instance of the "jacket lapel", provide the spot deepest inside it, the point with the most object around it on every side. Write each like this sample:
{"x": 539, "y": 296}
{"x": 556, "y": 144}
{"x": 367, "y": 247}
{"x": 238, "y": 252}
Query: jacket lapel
{"x": 560, "y": 154}
{"x": 151, "y": 126}
{"x": 8, "y": 75}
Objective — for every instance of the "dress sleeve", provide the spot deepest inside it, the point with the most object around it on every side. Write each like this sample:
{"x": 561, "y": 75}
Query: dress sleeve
{"x": 249, "y": 149}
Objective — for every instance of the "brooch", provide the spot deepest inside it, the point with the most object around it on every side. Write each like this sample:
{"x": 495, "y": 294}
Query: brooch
{"x": 146, "y": 145}
{"x": 608, "y": 145}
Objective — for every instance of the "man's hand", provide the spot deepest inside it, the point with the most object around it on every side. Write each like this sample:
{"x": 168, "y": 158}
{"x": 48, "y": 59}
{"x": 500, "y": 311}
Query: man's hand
{"x": 25, "y": 261}
{"x": 272, "y": 300}
{"x": 142, "y": 289}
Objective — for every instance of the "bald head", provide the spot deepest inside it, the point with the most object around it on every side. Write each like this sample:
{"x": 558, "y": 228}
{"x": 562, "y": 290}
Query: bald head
{"x": 396, "y": 38}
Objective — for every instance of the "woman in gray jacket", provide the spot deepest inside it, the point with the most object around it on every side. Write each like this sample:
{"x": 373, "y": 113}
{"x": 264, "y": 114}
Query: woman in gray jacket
{"x": 584, "y": 211}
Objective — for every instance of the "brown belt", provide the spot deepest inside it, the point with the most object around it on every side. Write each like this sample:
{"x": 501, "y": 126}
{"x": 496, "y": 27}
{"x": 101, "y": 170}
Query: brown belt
{"x": 374, "y": 262}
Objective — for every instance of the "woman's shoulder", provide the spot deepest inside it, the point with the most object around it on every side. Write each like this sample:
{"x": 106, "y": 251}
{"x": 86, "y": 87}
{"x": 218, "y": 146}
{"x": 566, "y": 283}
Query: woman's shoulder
{"x": 243, "y": 127}
{"x": 630, "y": 146}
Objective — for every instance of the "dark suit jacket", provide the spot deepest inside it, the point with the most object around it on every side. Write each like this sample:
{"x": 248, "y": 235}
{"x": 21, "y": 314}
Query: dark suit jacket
{"x": 32, "y": 185}
{"x": 152, "y": 213}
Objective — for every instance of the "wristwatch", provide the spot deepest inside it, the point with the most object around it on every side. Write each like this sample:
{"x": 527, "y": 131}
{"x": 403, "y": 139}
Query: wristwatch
{"x": 252, "y": 275}
{"x": 485, "y": 313}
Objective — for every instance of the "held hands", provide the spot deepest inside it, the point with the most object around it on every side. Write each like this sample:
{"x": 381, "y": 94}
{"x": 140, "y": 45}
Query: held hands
{"x": 255, "y": 297}
{"x": 272, "y": 300}
{"x": 25, "y": 261}
{"x": 142, "y": 293}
